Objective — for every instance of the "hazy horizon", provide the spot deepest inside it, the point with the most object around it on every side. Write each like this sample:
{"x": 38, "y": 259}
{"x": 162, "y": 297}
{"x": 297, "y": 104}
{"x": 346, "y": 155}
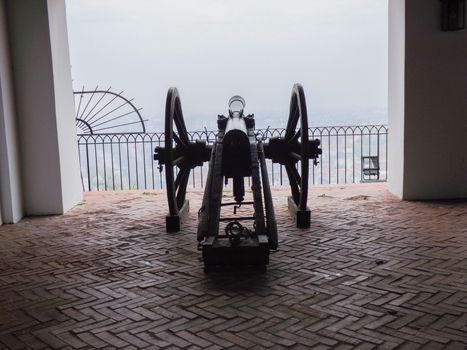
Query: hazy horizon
{"x": 213, "y": 49}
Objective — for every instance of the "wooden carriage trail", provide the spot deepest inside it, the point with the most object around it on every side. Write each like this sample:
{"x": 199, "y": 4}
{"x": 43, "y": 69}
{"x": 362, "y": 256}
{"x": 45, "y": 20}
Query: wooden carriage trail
{"x": 371, "y": 272}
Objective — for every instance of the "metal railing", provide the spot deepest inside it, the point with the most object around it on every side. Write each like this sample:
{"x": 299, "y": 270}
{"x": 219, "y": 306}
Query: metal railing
{"x": 125, "y": 161}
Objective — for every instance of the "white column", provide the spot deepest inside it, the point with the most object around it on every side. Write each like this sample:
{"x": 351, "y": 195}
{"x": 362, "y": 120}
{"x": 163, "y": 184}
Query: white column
{"x": 428, "y": 111}
{"x": 44, "y": 101}
{"x": 396, "y": 90}
{"x": 10, "y": 176}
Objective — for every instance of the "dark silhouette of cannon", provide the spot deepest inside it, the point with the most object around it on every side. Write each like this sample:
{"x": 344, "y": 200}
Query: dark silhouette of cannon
{"x": 236, "y": 154}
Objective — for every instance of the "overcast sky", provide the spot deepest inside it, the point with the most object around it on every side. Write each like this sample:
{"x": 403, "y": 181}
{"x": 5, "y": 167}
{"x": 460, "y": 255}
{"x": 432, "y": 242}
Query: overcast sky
{"x": 213, "y": 49}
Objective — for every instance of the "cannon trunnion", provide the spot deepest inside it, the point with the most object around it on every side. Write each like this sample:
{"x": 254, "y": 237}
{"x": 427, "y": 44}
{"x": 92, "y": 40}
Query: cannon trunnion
{"x": 237, "y": 154}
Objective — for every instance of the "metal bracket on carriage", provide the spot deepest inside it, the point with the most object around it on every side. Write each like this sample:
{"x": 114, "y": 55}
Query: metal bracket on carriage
{"x": 281, "y": 151}
{"x": 189, "y": 155}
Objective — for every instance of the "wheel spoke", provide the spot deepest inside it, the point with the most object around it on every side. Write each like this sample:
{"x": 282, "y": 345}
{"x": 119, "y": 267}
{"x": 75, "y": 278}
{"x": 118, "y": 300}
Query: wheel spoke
{"x": 178, "y": 161}
{"x": 295, "y": 173}
{"x": 180, "y": 123}
{"x": 293, "y": 119}
{"x": 294, "y": 183}
{"x": 177, "y": 139}
{"x": 177, "y": 180}
{"x": 181, "y": 193}
{"x": 295, "y": 137}
{"x": 181, "y": 133}
{"x": 295, "y": 156}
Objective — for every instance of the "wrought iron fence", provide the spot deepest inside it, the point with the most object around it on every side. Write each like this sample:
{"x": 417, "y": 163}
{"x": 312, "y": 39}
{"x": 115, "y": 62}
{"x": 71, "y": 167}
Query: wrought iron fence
{"x": 125, "y": 161}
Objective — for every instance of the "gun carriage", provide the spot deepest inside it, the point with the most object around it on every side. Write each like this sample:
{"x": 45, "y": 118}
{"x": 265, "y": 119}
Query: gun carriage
{"x": 236, "y": 154}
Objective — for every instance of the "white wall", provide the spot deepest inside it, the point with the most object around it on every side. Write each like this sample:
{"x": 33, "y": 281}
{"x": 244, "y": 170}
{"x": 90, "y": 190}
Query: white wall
{"x": 428, "y": 136}
{"x": 44, "y": 101}
{"x": 10, "y": 176}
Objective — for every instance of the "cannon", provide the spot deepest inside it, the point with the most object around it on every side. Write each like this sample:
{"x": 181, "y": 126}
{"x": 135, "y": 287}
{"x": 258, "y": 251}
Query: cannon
{"x": 238, "y": 153}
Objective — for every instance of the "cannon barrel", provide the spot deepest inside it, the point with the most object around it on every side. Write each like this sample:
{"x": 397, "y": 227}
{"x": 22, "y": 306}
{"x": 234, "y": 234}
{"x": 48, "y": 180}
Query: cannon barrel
{"x": 236, "y": 149}
{"x": 236, "y": 152}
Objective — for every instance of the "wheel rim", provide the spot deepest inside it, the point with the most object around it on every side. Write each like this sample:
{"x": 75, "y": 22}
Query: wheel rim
{"x": 298, "y": 180}
{"x": 176, "y": 185}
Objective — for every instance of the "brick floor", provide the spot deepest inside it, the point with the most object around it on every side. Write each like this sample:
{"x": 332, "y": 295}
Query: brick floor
{"x": 371, "y": 272}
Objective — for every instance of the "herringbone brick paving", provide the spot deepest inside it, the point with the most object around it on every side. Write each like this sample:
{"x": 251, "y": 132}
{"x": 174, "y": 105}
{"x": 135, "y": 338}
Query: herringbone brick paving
{"x": 371, "y": 272}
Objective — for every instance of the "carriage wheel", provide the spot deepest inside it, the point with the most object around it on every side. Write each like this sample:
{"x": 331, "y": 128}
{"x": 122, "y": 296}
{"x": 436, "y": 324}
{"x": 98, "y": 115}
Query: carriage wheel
{"x": 176, "y": 174}
{"x": 298, "y": 140}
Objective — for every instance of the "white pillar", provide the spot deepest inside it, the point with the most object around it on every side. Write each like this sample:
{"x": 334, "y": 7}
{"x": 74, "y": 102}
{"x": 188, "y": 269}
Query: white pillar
{"x": 11, "y": 209}
{"x": 396, "y": 90}
{"x": 427, "y": 103}
{"x": 45, "y": 109}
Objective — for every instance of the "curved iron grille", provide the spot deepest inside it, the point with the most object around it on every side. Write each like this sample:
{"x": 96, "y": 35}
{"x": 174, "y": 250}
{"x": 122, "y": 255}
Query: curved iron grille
{"x": 105, "y": 111}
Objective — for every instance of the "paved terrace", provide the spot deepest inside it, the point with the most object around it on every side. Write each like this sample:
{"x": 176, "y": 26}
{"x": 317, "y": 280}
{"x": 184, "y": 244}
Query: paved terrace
{"x": 371, "y": 272}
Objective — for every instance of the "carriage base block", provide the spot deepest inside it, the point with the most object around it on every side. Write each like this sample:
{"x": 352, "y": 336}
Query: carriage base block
{"x": 249, "y": 252}
{"x": 173, "y": 223}
{"x": 302, "y": 217}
